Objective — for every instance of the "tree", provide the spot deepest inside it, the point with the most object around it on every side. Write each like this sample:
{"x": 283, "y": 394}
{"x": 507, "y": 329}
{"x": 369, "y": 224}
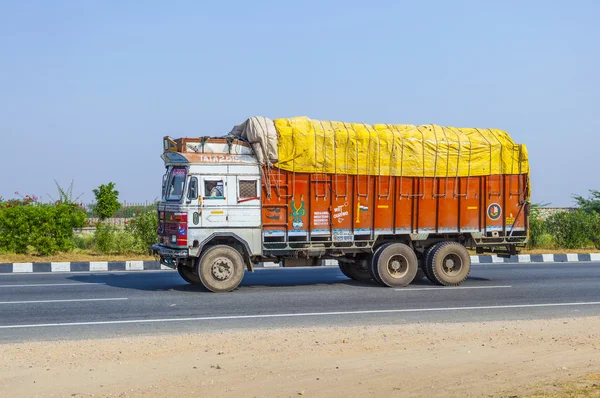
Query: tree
{"x": 591, "y": 204}
{"x": 107, "y": 200}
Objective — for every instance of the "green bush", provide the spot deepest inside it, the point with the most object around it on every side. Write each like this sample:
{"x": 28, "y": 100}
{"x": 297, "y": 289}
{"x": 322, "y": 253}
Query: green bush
{"x": 113, "y": 240}
{"x": 143, "y": 228}
{"x": 26, "y": 225}
{"x": 574, "y": 230}
{"x": 84, "y": 242}
{"x": 137, "y": 237}
{"x": 537, "y": 228}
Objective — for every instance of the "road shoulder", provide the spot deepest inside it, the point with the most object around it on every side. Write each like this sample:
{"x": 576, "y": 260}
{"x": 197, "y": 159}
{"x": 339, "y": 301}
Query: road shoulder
{"x": 423, "y": 360}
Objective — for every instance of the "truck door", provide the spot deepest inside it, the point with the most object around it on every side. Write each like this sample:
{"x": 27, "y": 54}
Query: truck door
{"x": 192, "y": 200}
{"x": 214, "y": 202}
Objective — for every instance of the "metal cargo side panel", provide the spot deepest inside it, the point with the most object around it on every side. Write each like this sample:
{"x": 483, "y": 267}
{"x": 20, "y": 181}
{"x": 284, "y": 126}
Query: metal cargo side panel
{"x": 319, "y": 205}
{"x": 494, "y": 203}
{"x": 404, "y": 221}
{"x": 445, "y": 190}
{"x": 427, "y": 209}
{"x": 275, "y": 194}
{"x": 341, "y": 207}
{"x": 514, "y": 212}
{"x": 298, "y": 210}
{"x": 383, "y": 209}
{"x": 469, "y": 196}
{"x": 362, "y": 207}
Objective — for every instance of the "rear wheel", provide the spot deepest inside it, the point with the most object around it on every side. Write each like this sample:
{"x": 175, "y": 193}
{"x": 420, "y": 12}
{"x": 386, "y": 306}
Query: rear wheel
{"x": 189, "y": 275}
{"x": 450, "y": 264}
{"x": 221, "y": 268}
{"x": 395, "y": 265}
{"x": 354, "y": 271}
{"x": 420, "y": 275}
{"x": 427, "y": 260}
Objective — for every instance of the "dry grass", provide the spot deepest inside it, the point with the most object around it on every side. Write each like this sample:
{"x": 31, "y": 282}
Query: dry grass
{"x": 74, "y": 256}
{"x": 585, "y": 387}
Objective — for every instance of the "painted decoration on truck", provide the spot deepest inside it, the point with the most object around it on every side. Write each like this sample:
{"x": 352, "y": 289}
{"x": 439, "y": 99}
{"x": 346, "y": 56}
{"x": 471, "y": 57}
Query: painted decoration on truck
{"x": 321, "y": 218}
{"x": 340, "y": 212}
{"x": 494, "y": 211}
{"x": 297, "y": 213}
{"x": 273, "y": 213}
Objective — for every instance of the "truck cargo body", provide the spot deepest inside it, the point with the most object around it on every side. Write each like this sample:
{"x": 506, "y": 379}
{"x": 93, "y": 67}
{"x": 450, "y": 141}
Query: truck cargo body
{"x": 348, "y": 211}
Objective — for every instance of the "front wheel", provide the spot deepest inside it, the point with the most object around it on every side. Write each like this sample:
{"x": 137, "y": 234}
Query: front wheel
{"x": 221, "y": 268}
{"x": 188, "y": 274}
{"x": 354, "y": 271}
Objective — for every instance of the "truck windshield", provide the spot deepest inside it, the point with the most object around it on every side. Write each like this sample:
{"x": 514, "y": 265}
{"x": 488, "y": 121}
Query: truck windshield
{"x": 176, "y": 184}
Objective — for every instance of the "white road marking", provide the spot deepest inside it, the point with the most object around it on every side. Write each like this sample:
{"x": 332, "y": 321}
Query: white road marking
{"x": 54, "y": 284}
{"x": 62, "y": 301}
{"x": 445, "y": 289}
{"x": 307, "y": 314}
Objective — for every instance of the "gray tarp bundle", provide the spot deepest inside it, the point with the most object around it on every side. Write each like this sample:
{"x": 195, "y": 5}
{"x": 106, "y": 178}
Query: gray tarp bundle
{"x": 260, "y": 132}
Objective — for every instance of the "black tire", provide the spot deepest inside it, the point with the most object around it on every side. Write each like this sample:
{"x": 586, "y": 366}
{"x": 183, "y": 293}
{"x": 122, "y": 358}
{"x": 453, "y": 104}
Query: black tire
{"x": 372, "y": 264}
{"x": 188, "y": 274}
{"x": 221, "y": 268}
{"x": 396, "y": 265}
{"x": 355, "y": 271}
{"x": 450, "y": 264}
{"x": 426, "y": 266}
{"x": 419, "y": 275}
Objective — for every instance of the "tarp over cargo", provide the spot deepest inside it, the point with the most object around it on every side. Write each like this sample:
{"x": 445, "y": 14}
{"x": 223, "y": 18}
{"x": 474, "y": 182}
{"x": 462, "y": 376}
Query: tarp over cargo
{"x": 313, "y": 146}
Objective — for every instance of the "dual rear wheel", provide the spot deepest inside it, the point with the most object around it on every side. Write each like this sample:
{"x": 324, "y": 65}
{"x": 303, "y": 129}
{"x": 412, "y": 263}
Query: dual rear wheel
{"x": 447, "y": 263}
{"x": 396, "y": 264}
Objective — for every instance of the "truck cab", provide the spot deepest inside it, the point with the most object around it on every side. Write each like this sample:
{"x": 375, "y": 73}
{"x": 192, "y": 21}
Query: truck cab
{"x": 211, "y": 197}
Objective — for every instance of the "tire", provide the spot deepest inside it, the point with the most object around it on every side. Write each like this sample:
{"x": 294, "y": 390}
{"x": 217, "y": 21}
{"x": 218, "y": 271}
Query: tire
{"x": 188, "y": 275}
{"x": 221, "y": 268}
{"x": 372, "y": 264}
{"x": 354, "y": 271}
{"x": 396, "y": 265}
{"x": 419, "y": 275}
{"x": 450, "y": 264}
{"x": 427, "y": 260}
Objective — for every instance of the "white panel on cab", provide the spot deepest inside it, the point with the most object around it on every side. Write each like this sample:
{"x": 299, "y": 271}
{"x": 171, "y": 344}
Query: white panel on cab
{"x": 240, "y": 169}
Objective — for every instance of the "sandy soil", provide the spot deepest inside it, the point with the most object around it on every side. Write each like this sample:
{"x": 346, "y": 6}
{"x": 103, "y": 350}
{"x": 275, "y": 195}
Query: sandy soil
{"x": 422, "y": 360}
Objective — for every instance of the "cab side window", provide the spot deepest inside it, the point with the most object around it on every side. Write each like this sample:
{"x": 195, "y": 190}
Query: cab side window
{"x": 248, "y": 189}
{"x": 214, "y": 189}
{"x": 193, "y": 189}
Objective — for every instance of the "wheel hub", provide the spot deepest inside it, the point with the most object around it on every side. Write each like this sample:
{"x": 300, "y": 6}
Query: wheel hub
{"x": 397, "y": 266}
{"x": 222, "y": 269}
{"x": 452, "y": 265}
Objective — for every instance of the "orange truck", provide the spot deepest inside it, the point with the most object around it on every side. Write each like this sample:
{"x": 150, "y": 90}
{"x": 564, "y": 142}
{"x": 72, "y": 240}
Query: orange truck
{"x": 390, "y": 203}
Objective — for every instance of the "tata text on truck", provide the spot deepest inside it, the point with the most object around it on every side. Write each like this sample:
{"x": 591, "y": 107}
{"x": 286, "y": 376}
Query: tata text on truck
{"x": 389, "y": 202}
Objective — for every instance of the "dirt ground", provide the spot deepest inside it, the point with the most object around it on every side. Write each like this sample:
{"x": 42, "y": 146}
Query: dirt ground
{"x": 497, "y": 359}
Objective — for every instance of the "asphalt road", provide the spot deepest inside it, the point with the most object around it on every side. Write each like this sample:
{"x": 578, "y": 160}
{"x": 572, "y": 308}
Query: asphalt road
{"x": 91, "y": 305}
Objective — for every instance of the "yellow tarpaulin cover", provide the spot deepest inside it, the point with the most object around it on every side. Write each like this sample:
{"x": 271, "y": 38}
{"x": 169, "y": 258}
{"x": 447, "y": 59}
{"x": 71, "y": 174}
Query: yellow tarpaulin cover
{"x": 314, "y": 146}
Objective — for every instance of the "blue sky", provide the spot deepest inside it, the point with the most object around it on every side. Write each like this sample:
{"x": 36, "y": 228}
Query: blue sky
{"x": 88, "y": 88}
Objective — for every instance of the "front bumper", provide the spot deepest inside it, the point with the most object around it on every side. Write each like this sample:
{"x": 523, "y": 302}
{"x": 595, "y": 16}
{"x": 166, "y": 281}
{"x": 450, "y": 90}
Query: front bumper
{"x": 167, "y": 252}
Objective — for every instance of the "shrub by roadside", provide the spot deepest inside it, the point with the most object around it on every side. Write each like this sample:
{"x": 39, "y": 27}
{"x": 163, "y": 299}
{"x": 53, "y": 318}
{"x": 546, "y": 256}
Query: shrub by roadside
{"x": 136, "y": 238}
{"x": 565, "y": 230}
{"x": 27, "y": 225}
